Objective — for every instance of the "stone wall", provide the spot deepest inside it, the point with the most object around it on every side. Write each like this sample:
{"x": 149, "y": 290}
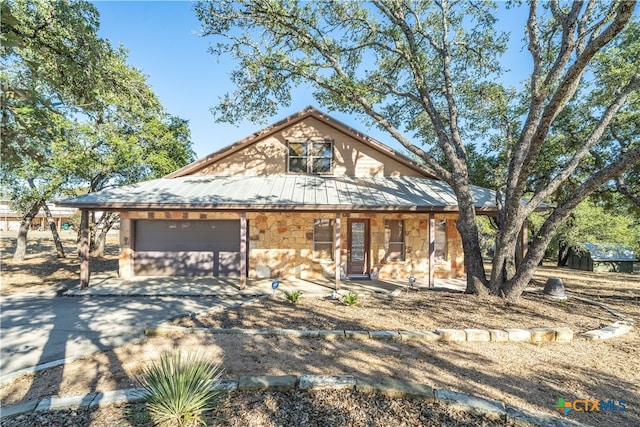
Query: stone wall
{"x": 281, "y": 244}
{"x": 455, "y": 255}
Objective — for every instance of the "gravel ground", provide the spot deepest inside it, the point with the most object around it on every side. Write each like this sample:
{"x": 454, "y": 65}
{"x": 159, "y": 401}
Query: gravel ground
{"x": 414, "y": 311}
{"x": 294, "y": 408}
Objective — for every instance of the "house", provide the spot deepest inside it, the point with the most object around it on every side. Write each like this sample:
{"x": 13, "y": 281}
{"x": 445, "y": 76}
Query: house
{"x": 307, "y": 197}
{"x": 10, "y": 219}
{"x": 603, "y": 258}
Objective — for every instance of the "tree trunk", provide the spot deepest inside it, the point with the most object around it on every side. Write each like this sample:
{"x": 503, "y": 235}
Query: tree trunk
{"x": 468, "y": 228}
{"x": 25, "y": 225}
{"x": 54, "y": 230}
{"x": 563, "y": 253}
{"x": 83, "y": 250}
{"x": 97, "y": 246}
{"x": 474, "y": 265}
{"x": 504, "y": 260}
{"x": 513, "y": 288}
{"x": 98, "y": 239}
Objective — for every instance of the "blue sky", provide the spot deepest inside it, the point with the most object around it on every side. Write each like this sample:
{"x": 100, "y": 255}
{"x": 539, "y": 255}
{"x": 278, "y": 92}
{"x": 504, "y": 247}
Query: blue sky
{"x": 163, "y": 41}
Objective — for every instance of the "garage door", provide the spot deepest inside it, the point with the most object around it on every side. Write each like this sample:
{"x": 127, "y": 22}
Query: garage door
{"x": 187, "y": 248}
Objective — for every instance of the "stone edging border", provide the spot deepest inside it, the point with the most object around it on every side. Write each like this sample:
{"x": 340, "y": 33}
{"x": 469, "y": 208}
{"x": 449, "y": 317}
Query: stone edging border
{"x": 560, "y": 334}
{"x": 536, "y": 335}
{"x": 393, "y": 388}
{"x": 616, "y": 329}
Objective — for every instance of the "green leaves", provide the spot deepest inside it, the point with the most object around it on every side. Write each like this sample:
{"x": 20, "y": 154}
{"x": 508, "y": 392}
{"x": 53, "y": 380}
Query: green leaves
{"x": 74, "y": 113}
{"x": 350, "y": 298}
{"x": 293, "y": 296}
{"x": 180, "y": 387}
{"x": 594, "y": 223}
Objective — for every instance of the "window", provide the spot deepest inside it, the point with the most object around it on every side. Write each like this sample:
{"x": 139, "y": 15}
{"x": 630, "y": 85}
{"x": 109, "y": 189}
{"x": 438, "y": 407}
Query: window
{"x": 310, "y": 157}
{"x": 323, "y": 239}
{"x": 441, "y": 240}
{"x": 394, "y": 239}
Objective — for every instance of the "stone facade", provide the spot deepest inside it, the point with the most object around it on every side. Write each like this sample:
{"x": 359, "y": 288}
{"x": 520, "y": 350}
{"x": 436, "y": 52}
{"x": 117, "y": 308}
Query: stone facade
{"x": 281, "y": 244}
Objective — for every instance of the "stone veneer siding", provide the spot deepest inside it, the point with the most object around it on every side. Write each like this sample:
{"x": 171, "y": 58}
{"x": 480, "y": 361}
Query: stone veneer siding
{"x": 280, "y": 244}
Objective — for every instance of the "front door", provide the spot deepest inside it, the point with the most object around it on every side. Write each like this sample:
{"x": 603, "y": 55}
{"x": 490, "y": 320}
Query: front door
{"x": 358, "y": 248}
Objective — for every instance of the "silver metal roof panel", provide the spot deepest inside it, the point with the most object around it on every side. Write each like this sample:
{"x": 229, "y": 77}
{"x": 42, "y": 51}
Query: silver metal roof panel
{"x": 282, "y": 192}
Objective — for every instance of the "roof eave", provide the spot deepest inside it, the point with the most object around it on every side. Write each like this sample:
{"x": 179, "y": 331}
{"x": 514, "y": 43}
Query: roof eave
{"x": 271, "y": 207}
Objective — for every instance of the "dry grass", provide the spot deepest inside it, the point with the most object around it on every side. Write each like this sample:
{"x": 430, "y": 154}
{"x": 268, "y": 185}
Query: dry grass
{"x": 416, "y": 311}
{"x": 42, "y": 269}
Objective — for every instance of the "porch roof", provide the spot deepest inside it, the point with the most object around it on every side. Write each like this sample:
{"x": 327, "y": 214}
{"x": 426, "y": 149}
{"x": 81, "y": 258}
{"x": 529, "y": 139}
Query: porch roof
{"x": 283, "y": 192}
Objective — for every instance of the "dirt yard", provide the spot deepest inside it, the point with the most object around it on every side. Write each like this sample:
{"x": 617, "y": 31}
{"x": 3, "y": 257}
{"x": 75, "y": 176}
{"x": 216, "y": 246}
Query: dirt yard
{"x": 42, "y": 269}
{"x": 525, "y": 375}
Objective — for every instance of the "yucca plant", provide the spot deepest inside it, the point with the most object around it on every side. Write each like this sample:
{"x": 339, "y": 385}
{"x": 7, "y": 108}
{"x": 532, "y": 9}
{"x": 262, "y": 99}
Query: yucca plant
{"x": 293, "y": 296}
{"x": 350, "y": 298}
{"x": 180, "y": 388}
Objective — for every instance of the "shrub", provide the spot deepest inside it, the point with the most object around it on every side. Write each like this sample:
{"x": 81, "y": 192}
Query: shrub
{"x": 180, "y": 388}
{"x": 350, "y": 298}
{"x": 293, "y": 296}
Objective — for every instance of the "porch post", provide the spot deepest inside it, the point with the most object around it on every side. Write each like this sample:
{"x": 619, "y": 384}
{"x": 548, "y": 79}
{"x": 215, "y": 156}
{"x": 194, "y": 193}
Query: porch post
{"x": 338, "y": 250}
{"x": 432, "y": 250}
{"x": 83, "y": 250}
{"x": 243, "y": 250}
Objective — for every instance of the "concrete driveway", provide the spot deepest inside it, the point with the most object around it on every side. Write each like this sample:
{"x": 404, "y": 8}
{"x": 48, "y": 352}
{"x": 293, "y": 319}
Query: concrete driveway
{"x": 37, "y": 329}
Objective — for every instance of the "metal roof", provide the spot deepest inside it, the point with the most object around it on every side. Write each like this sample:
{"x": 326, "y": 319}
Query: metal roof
{"x": 603, "y": 252}
{"x": 283, "y": 192}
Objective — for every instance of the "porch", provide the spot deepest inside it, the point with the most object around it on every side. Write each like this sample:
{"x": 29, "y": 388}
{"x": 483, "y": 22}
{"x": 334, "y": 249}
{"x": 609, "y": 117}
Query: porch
{"x": 209, "y": 286}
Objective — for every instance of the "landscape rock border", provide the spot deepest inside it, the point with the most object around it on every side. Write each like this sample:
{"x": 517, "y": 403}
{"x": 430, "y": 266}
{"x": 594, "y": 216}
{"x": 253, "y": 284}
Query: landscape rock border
{"x": 535, "y": 335}
{"x": 616, "y": 329}
{"x": 393, "y": 388}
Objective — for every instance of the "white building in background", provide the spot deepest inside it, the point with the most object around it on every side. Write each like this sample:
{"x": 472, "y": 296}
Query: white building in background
{"x": 10, "y": 219}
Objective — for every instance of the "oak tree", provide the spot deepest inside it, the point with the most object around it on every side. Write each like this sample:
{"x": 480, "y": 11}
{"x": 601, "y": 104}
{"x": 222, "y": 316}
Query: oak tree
{"x": 423, "y": 71}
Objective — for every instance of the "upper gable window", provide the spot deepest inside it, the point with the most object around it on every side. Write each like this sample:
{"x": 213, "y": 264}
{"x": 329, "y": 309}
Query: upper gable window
{"x": 315, "y": 157}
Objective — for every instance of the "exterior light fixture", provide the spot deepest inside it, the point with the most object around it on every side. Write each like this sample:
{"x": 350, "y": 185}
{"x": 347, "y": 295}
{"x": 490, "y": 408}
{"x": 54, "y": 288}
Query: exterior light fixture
{"x": 412, "y": 283}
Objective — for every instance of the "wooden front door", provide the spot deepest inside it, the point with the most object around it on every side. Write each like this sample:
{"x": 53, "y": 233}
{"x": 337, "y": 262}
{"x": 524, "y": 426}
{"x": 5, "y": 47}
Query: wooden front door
{"x": 358, "y": 248}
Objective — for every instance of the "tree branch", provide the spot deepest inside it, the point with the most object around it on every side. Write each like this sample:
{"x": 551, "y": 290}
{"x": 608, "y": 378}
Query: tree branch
{"x": 565, "y": 90}
{"x": 623, "y": 189}
{"x": 419, "y": 81}
{"x": 591, "y": 141}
